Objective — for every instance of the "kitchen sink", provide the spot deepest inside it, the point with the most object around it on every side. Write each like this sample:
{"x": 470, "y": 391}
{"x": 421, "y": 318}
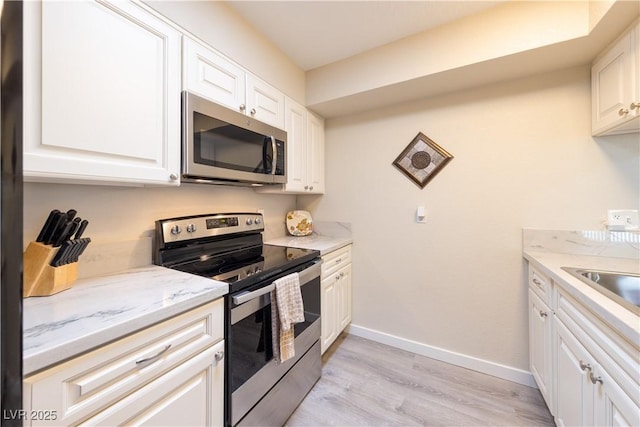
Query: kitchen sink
{"x": 624, "y": 288}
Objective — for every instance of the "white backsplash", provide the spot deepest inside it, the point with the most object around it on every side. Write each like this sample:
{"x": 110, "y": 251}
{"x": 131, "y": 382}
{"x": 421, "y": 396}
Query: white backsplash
{"x": 616, "y": 244}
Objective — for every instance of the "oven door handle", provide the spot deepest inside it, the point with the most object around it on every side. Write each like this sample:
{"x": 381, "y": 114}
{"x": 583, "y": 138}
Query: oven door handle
{"x": 305, "y": 276}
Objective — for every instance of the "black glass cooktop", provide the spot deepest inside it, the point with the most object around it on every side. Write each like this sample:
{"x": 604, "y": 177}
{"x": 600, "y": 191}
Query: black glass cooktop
{"x": 245, "y": 267}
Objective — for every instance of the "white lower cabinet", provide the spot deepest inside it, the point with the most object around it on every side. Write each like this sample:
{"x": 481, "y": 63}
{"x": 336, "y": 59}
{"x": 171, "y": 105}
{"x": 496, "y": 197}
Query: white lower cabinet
{"x": 586, "y": 372}
{"x": 587, "y": 394}
{"x": 185, "y": 396}
{"x": 336, "y": 291}
{"x": 170, "y": 374}
{"x": 540, "y": 344}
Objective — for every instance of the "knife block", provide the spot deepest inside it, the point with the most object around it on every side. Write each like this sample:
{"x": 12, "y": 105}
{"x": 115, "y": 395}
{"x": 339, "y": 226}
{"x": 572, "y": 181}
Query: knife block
{"x": 40, "y": 278}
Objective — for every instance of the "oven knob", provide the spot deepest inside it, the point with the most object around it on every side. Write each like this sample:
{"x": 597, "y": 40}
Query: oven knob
{"x": 249, "y": 221}
{"x": 176, "y": 230}
{"x": 258, "y": 220}
{"x": 191, "y": 228}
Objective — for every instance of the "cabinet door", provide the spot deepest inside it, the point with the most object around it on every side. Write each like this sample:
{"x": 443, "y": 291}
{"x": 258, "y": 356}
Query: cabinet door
{"x": 614, "y": 85}
{"x": 102, "y": 94}
{"x": 190, "y": 395}
{"x": 328, "y": 311}
{"x": 295, "y": 125}
{"x": 344, "y": 298}
{"x": 540, "y": 348}
{"x": 613, "y": 407}
{"x": 573, "y": 390}
{"x": 264, "y": 102}
{"x": 210, "y": 75}
{"x": 315, "y": 163}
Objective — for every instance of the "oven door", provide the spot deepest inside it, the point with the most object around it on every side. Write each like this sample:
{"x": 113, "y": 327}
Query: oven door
{"x": 219, "y": 143}
{"x": 252, "y": 371}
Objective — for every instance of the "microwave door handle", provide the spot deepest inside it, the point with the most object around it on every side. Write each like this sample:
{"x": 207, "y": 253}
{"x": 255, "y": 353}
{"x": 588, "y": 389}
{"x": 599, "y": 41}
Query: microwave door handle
{"x": 274, "y": 157}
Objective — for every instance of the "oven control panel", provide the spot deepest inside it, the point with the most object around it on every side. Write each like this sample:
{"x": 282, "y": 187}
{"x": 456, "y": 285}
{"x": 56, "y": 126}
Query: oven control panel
{"x": 202, "y": 226}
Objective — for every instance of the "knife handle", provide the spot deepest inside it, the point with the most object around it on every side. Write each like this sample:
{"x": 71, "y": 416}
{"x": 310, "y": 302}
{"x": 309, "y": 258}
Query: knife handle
{"x": 52, "y": 231}
{"x": 75, "y": 224}
{"x": 63, "y": 234}
{"x": 83, "y": 226}
{"x": 47, "y": 225}
{"x": 57, "y": 258}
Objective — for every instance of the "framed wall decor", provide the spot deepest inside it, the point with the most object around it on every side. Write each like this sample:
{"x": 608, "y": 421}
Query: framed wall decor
{"x": 422, "y": 159}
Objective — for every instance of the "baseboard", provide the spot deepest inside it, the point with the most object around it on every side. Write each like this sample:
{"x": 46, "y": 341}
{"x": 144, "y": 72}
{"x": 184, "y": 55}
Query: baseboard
{"x": 490, "y": 368}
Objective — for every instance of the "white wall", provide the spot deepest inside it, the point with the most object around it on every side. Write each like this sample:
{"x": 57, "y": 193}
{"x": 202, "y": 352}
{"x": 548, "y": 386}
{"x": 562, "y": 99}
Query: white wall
{"x": 524, "y": 157}
{"x": 122, "y": 218}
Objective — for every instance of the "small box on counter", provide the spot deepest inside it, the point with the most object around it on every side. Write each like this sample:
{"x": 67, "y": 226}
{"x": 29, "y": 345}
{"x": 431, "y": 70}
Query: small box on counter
{"x": 51, "y": 262}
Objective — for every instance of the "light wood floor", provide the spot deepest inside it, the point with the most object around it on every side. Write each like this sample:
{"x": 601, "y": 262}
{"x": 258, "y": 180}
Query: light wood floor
{"x": 365, "y": 383}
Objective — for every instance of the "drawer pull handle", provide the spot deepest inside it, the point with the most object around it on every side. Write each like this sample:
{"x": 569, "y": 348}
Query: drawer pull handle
{"x": 543, "y": 313}
{"x": 152, "y": 358}
{"x": 585, "y": 366}
{"x": 595, "y": 379}
{"x": 338, "y": 260}
{"x": 537, "y": 282}
{"x": 219, "y": 356}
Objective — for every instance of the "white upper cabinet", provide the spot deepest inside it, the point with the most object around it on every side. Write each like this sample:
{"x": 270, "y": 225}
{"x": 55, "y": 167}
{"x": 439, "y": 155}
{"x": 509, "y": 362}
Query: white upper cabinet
{"x": 295, "y": 123}
{"x": 212, "y": 76}
{"x": 102, "y": 94}
{"x": 305, "y": 152}
{"x": 315, "y": 154}
{"x": 615, "y": 87}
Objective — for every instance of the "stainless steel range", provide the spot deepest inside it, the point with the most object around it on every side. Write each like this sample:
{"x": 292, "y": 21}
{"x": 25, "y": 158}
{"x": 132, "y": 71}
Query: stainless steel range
{"x": 229, "y": 248}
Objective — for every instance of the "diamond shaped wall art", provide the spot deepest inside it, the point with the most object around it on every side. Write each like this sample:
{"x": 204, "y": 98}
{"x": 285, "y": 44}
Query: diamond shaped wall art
{"x": 422, "y": 160}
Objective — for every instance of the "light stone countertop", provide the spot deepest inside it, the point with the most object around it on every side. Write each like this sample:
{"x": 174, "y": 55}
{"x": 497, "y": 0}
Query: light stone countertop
{"x": 615, "y": 315}
{"x": 324, "y": 244}
{"x": 101, "y": 309}
{"x": 326, "y": 237}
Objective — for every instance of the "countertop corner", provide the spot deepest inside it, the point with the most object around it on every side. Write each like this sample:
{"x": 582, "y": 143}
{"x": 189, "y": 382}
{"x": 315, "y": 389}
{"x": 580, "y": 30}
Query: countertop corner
{"x": 101, "y": 309}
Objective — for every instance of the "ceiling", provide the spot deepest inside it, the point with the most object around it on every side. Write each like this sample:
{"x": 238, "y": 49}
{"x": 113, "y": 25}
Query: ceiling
{"x": 316, "y": 33}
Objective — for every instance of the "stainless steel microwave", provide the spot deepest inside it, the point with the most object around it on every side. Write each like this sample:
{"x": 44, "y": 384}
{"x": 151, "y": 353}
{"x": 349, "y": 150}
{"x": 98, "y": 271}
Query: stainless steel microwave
{"x": 222, "y": 146}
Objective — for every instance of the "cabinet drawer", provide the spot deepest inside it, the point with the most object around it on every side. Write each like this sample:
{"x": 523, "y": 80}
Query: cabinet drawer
{"x": 618, "y": 357}
{"x": 336, "y": 260}
{"x": 86, "y": 384}
{"x": 540, "y": 284}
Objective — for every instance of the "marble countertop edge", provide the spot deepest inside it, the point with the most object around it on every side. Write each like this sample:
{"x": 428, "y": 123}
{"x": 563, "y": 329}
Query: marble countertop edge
{"x": 324, "y": 244}
{"x": 615, "y": 315}
{"x": 103, "y": 309}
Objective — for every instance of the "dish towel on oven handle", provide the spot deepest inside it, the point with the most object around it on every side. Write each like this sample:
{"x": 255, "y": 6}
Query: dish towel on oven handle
{"x": 286, "y": 310}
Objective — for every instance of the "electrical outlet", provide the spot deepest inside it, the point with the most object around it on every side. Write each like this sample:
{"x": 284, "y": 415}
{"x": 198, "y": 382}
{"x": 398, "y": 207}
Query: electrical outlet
{"x": 622, "y": 219}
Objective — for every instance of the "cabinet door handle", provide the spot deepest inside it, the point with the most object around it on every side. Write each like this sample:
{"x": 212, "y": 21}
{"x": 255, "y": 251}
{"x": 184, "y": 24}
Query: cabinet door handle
{"x": 243, "y": 107}
{"x": 623, "y": 112}
{"x": 543, "y": 313}
{"x": 253, "y": 111}
{"x": 152, "y": 358}
{"x": 585, "y": 366}
{"x": 311, "y": 188}
{"x": 595, "y": 379}
{"x": 173, "y": 177}
{"x": 635, "y": 105}
{"x": 219, "y": 356}
{"x": 306, "y": 187}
